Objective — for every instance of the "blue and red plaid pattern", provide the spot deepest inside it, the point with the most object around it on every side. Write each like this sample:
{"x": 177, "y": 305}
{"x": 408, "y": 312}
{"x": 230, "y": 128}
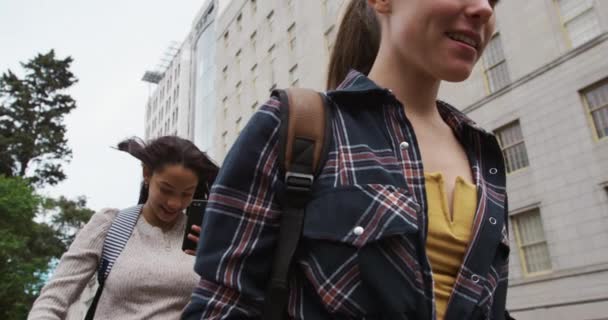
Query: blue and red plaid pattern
{"x": 368, "y": 183}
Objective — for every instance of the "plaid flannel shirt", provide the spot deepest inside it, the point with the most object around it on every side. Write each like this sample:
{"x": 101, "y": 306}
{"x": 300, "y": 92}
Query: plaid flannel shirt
{"x": 370, "y": 180}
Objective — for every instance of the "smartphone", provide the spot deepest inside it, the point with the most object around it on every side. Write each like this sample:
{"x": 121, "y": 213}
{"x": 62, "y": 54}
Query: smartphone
{"x": 195, "y": 214}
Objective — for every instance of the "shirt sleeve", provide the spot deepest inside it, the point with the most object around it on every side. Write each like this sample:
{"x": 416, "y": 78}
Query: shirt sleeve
{"x": 241, "y": 224}
{"x": 75, "y": 269}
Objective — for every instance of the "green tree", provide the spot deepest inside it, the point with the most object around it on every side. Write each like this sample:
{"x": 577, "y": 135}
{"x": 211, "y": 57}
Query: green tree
{"x": 26, "y": 248}
{"x": 34, "y": 231}
{"x": 67, "y": 216}
{"x": 32, "y": 110}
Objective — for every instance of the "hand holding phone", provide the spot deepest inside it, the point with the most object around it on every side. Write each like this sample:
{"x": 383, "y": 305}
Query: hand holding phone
{"x": 193, "y": 237}
{"x": 193, "y": 225}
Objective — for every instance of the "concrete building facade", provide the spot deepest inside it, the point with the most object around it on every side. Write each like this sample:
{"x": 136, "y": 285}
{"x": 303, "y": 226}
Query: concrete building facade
{"x": 169, "y": 107}
{"x": 542, "y": 87}
{"x": 267, "y": 44}
{"x": 203, "y": 74}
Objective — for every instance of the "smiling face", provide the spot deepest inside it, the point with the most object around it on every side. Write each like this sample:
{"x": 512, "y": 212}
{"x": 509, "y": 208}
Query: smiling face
{"x": 442, "y": 38}
{"x": 170, "y": 189}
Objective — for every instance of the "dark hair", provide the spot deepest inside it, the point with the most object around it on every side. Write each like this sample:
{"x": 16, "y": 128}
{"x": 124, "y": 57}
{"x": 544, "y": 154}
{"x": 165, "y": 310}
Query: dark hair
{"x": 356, "y": 45}
{"x": 162, "y": 151}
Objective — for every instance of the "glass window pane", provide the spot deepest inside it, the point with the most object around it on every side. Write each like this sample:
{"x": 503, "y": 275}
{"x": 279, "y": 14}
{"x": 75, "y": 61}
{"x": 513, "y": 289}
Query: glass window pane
{"x": 493, "y": 53}
{"x": 532, "y": 240}
{"x": 598, "y": 97}
{"x": 511, "y": 140}
{"x": 498, "y": 77}
{"x": 537, "y": 258}
{"x": 600, "y": 118}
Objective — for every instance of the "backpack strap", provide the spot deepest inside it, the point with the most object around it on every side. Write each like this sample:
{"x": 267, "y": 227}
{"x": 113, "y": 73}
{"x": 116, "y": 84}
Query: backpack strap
{"x": 304, "y": 140}
{"x": 115, "y": 241}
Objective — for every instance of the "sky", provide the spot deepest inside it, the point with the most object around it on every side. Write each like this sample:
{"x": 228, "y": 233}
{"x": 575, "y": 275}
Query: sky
{"x": 113, "y": 42}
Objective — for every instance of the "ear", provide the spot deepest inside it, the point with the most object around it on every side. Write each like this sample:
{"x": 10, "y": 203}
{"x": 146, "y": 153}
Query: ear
{"x": 147, "y": 173}
{"x": 380, "y": 6}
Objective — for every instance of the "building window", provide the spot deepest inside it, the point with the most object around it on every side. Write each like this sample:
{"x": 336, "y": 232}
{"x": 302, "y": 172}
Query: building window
{"x": 238, "y": 94}
{"x": 270, "y": 20}
{"x": 291, "y": 32}
{"x": 239, "y": 22}
{"x": 531, "y": 241}
{"x": 254, "y": 106}
{"x": 293, "y": 77}
{"x": 254, "y": 5}
{"x": 495, "y": 65}
{"x": 237, "y": 57}
{"x": 254, "y": 80}
{"x": 226, "y": 35}
{"x": 579, "y": 20}
{"x": 330, "y": 38}
{"x": 224, "y": 141}
{"x": 225, "y": 107}
{"x": 238, "y": 125}
{"x": 513, "y": 147}
{"x": 273, "y": 83}
{"x": 253, "y": 39}
{"x": 225, "y": 73}
{"x": 596, "y": 101}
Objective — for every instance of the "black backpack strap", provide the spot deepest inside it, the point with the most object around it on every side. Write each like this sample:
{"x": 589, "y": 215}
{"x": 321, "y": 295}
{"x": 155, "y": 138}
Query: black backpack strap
{"x": 115, "y": 241}
{"x": 305, "y": 132}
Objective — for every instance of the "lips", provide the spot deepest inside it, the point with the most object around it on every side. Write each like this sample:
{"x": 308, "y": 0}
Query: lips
{"x": 469, "y": 38}
{"x": 168, "y": 212}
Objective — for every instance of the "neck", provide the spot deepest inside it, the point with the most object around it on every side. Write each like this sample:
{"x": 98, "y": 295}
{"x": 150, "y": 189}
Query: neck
{"x": 413, "y": 87}
{"x": 153, "y": 220}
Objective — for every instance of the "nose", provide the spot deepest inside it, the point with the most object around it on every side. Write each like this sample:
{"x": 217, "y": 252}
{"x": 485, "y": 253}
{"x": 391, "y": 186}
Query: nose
{"x": 174, "y": 203}
{"x": 480, "y": 10}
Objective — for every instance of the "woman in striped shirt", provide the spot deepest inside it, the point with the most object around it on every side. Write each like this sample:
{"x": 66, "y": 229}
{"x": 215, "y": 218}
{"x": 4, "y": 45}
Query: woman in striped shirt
{"x": 151, "y": 277}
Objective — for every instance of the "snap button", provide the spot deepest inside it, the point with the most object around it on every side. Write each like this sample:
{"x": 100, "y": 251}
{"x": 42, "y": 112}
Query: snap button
{"x": 493, "y": 171}
{"x": 358, "y": 230}
{"x": 475, "y": 278}
{"x": 492, "y": 220}
{"x": 404, "y": 145}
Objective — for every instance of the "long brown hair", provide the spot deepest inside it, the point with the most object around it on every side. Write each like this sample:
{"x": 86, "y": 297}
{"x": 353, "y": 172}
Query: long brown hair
{"x": 357, "y": 43}
{"x": 165, "y": 150}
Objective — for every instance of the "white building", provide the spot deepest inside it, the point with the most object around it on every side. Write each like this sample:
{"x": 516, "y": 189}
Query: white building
{"x": 204, "y": 75}
{"x": 169, "y": 108}
{"x": 267, "y": 44}
{"x": 542, "y": 87}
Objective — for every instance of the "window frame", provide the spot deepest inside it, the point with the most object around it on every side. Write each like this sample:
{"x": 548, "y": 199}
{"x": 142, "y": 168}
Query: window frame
{"x": 514, "y": 219}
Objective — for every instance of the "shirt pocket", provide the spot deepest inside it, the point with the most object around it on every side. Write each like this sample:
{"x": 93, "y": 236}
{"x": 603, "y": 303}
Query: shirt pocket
{"x": 342, "y": 226}
{"x": 359, "y": 215}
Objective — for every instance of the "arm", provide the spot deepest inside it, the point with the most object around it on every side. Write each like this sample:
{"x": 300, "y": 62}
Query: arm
{"x": 75, "y": 269}
{"x": 241, "y": 225}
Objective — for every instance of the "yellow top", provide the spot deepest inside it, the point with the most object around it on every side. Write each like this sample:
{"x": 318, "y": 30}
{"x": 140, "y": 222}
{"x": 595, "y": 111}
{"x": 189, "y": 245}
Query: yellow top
{"x": 448, "y": 234}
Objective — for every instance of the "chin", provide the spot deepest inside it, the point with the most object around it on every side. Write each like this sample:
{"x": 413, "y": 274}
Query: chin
{"x": 456, "y": 74}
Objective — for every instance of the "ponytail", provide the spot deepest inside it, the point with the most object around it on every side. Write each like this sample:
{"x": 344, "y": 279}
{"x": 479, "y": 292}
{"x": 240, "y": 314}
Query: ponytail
{"x": 356, "y": 45}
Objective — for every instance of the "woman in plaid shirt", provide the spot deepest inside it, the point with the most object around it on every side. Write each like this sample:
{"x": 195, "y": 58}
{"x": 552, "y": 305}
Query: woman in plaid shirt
{"x": 408, "y": 215}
